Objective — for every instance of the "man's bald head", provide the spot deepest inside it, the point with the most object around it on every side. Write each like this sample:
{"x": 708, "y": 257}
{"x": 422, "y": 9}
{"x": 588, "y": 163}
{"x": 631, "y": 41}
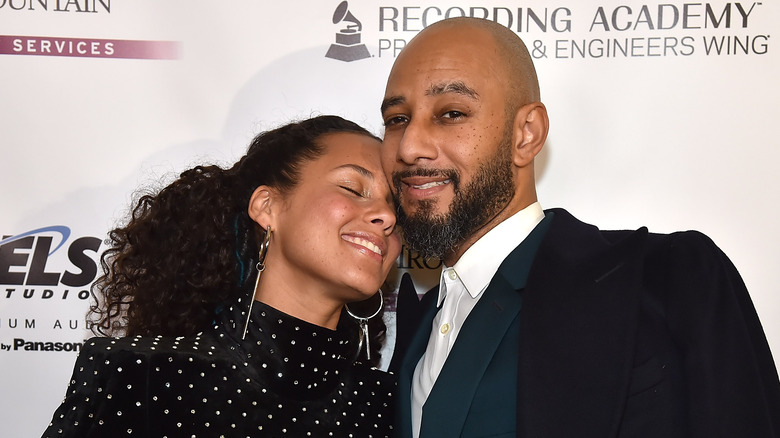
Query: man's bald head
{"x": 507, "y": 51}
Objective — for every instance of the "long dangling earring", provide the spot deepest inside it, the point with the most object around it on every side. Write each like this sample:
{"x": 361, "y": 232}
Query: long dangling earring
{"x": 260, "y": 268}
{"x": 363, "y": 322}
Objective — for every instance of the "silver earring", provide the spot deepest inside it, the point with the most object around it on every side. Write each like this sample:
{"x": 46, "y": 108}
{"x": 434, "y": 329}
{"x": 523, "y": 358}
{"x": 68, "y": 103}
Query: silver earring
{"x": 363, "y": 322}
{"x": 260, "y": 268}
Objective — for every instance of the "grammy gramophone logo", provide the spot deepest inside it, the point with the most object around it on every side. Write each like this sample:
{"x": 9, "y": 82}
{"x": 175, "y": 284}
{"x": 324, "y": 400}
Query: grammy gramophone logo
{"x": 347, "y": 46}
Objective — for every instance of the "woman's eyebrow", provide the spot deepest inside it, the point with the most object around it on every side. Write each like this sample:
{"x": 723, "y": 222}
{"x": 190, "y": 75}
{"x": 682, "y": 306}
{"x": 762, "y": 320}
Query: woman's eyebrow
{"x": 359, "y": 169}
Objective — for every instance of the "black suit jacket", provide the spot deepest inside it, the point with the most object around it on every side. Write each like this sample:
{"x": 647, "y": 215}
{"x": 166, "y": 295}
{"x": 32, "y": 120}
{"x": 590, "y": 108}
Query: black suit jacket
{"x": 631, "y": 334}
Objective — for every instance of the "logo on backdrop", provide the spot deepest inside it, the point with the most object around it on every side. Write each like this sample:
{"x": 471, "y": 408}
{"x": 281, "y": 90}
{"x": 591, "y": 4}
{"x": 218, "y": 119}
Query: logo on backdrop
{"x": 78, "y": 47}
{"x": 20, "y": 344}
{"x": 75, "y": 6}
{"x": 574, "y": 31}
{"x": 87, "y": 47}
{"x": 347, "y": 46}
{"x": 25, "y": 268}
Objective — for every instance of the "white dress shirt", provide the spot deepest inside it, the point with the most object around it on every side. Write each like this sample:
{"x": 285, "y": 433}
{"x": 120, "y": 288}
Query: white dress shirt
{"x": 462, "y": 285}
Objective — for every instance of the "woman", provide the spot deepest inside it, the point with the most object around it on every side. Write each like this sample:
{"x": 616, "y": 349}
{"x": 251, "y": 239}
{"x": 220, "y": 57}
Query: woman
{"x": 304, "y": 224}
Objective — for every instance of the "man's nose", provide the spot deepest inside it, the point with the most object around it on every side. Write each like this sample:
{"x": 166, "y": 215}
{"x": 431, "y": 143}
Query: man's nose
{"x": 416, "y": 143}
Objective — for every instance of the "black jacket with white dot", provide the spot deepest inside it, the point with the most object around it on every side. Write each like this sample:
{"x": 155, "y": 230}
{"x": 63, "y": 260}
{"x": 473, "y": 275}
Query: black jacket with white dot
{"x": 288, "y": 378}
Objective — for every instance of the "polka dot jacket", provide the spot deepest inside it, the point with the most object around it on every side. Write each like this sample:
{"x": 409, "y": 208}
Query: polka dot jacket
{"x": 288, "y": 378}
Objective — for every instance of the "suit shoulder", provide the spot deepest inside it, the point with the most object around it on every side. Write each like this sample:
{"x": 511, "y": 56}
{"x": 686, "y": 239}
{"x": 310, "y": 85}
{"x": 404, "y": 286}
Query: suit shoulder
{"x": 685, "y": 247}
{"x": 689, "y": 272}
{"x": 684, "y": 244}
{"x": 690, "y": 237}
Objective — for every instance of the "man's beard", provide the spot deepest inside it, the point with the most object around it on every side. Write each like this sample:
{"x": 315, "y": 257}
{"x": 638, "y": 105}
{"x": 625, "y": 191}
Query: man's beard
{"x": 436, "y": 235}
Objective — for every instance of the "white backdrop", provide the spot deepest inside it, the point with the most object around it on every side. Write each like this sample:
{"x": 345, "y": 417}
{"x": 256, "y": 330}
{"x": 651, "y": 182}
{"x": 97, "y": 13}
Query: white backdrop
{"x": 662, "y": 114}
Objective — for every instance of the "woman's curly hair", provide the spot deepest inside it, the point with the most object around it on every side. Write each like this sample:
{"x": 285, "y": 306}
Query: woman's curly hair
{"x": 192, "y": 247}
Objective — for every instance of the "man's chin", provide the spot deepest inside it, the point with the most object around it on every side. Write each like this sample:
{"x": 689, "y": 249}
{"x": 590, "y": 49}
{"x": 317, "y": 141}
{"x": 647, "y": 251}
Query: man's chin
{"x": 425, "y": 209}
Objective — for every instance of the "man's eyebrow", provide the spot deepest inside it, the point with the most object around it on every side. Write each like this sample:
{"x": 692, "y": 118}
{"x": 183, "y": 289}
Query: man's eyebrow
{"x": 391, "y": 101}
{"x": 457, "y": 87}
{"x": 359, "y": 169}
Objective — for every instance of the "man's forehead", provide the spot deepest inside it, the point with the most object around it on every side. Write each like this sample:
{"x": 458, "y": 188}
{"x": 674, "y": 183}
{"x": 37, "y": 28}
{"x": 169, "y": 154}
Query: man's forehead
{"x": 437, "y": 71}
{"x": 443, "y": 69}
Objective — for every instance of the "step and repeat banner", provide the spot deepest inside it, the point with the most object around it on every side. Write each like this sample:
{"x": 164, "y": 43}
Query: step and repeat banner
{"x": 662, "y": 114}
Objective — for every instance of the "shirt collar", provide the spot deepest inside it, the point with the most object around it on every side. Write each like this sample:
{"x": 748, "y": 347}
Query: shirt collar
{"x": 479, "y": 263}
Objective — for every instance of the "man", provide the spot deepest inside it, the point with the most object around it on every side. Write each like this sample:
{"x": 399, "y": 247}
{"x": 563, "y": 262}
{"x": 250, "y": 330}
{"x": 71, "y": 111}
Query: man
{"x": 543, "y": 326}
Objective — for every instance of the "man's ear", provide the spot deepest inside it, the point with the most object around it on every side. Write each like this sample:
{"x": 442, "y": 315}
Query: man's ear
{"x": 530, "y": 132}
{"x": 261, "y": 206}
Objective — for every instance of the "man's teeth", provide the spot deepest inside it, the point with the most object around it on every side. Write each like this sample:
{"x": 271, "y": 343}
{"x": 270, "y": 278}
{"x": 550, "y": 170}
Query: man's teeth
{"x": 363, "y": 242}
{"x": 431, "y": 184}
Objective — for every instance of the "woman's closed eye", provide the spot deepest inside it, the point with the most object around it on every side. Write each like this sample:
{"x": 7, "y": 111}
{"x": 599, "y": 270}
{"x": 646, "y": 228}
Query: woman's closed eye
{"x": 353, "y": 191}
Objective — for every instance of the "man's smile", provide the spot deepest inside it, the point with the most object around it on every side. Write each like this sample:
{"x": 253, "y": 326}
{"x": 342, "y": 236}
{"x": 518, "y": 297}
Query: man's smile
{"x": 429, "y": 185}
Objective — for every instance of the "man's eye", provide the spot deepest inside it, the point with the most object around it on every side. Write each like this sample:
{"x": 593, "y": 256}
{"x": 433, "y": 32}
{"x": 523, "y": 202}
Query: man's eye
{"x": 453, "y": 114}
{"x": 394, "y": 120}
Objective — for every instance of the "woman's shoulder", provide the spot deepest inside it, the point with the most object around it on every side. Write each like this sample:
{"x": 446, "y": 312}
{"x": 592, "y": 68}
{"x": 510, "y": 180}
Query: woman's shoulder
{"x": 116, "y": 381}
{"x": 201, "y": 344}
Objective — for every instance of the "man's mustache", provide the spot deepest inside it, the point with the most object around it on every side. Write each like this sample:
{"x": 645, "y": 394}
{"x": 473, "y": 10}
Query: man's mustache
{"x": 450, "y": 174}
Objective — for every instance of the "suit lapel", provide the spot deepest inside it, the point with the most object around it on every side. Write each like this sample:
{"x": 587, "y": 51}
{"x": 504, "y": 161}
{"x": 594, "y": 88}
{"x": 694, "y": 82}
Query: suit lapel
{"x": 479, "y": 338}
{"x": 451, "y": 395}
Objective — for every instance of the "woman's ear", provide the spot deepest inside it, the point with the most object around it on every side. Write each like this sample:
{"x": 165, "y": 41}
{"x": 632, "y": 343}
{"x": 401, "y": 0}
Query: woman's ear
{"x": 531, "y": 125}
{"x": 261, "y": 205}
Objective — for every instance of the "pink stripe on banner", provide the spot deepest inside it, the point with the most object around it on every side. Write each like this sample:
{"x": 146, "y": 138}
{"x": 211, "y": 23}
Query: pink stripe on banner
{"x": 88, "y": 47}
